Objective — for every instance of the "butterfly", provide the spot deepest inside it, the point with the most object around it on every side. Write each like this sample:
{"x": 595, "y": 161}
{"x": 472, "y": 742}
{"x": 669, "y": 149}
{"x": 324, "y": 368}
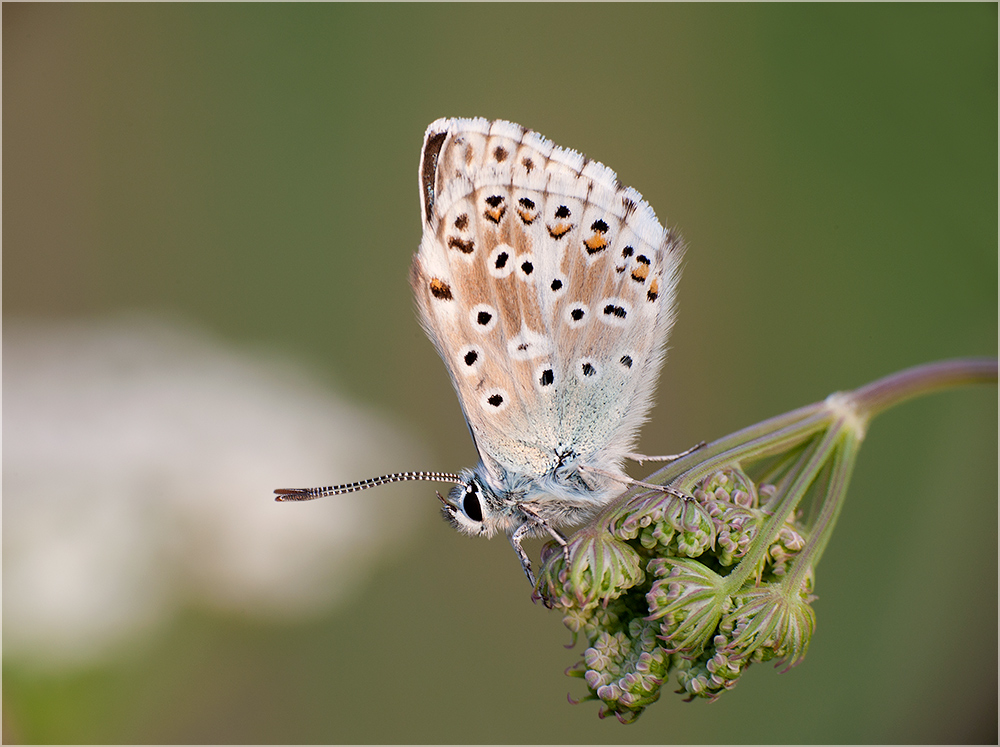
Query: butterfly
{"x": 549, "y": 289}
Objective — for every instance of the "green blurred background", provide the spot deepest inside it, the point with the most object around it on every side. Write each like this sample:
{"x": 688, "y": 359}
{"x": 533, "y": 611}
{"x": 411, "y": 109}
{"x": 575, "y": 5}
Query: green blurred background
{"x": 252, "y": 168}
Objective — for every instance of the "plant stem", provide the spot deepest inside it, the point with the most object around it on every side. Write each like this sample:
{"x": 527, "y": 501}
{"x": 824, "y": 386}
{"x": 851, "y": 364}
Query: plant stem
{"x": 822, "y": 528}
{"x": 818, "y": 456}
{"x": 872, "y": 399}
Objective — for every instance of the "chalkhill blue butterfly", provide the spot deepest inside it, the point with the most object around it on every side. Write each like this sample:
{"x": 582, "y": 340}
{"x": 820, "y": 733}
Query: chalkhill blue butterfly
{"x": 548, "y": 288}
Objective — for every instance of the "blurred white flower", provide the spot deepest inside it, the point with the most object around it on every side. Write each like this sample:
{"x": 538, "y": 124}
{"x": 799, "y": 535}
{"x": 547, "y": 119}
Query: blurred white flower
{"x": 138, "y": 464}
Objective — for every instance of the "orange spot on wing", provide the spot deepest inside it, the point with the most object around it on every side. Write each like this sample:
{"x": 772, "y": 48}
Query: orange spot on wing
{"x": 441, "y": 290}
{"x": 596, "y": 243}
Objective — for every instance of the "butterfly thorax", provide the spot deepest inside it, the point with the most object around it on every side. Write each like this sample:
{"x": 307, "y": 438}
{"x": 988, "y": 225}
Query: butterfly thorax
{"x": 490, "y": 501}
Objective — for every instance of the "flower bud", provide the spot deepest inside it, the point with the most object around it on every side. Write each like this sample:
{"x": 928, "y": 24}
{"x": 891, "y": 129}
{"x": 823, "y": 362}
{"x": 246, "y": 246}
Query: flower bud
{"x": 688, "y": 599}
{"x": 664, "y": 524}
{"x": 600, "y": 569}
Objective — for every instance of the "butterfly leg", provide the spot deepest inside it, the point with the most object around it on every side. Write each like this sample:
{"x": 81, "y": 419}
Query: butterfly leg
{"x": 558, "y": 536}
{"x": 640, "y": 458}
{"x": 519, "y": 534}
{"x": 515, "y": 540}
{"x": 626, "y": 480}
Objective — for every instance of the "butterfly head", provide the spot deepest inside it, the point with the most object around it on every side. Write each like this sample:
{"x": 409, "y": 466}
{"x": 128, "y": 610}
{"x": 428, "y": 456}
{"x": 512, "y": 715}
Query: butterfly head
{"x": 473, "y": 508}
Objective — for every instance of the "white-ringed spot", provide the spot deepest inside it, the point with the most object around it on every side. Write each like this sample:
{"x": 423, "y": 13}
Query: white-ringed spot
{"x": 614, "y": 311}
{"x": 526, "y": 268}
{"x": 494, "y": 400}
{"x": 483, "y": 317}
{"x": 469, "y": 359}
{"x": 587, "y": 370}
{"x": 545, "y": 376}
{"x": 502, "y": 261}
{"x": 576, "y": 314}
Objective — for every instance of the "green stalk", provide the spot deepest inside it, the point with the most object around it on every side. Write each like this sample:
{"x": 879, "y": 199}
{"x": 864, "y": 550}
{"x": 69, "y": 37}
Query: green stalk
{"x": 816, "y": 460}
{"x": 822, "y": 529}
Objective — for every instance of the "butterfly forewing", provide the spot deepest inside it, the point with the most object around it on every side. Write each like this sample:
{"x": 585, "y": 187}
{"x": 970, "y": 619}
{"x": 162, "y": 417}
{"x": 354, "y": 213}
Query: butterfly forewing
{"x": 548, "y": 289}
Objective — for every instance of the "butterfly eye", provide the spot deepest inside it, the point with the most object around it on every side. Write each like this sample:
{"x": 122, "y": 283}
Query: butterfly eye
{"x": 470, "y": 504}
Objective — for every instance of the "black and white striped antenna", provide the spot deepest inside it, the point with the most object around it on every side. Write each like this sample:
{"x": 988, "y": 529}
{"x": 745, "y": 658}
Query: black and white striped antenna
{"x": 308, "y": 494}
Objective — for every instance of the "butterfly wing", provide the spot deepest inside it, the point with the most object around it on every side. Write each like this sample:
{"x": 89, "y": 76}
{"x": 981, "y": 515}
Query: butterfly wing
{"x": 548, "y": 288}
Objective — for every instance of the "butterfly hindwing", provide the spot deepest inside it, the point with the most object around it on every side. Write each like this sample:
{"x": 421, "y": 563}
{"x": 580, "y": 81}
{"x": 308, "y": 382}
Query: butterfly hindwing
{"x": 547, "y": 288}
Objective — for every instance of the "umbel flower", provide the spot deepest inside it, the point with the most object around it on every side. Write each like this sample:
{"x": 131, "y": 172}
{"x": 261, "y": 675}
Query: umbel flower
{"x": 701, "y": 588}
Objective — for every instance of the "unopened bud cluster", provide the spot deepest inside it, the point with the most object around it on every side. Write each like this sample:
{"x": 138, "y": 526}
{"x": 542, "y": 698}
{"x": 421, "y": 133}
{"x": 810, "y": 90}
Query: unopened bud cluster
{"x": 647, "y": 587}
